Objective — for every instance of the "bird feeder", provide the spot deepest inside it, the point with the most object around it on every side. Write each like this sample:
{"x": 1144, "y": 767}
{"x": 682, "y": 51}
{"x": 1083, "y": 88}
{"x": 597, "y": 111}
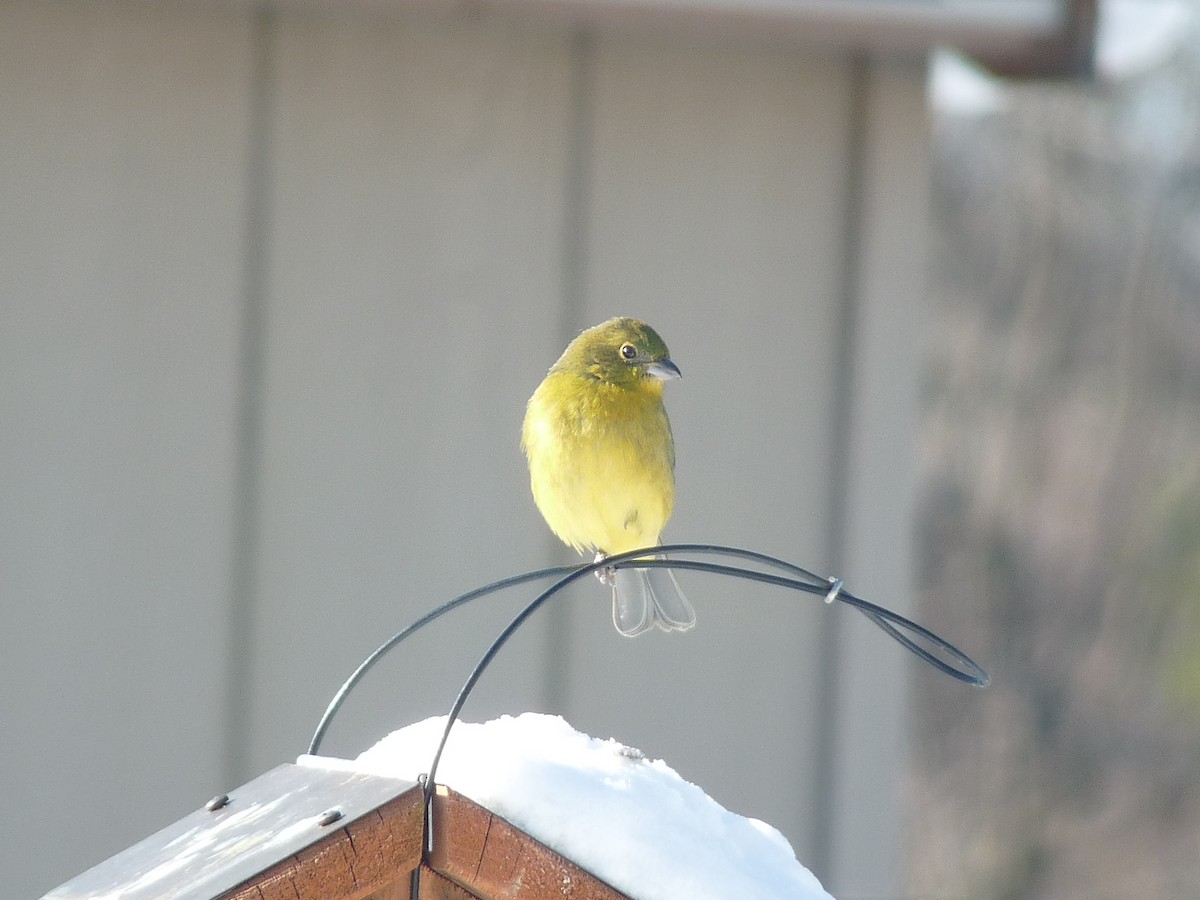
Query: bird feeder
{"x": 307, "y": 833}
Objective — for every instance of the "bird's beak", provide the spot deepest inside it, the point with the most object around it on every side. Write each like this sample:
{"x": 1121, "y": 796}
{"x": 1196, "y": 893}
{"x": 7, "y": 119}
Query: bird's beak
{"x": 664, "y": 370}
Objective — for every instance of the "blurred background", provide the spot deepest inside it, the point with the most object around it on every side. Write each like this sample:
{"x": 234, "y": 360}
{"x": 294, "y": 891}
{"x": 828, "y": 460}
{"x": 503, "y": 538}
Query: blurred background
{"x": 277, "y": 279}
{"x": 1059, "y": 509}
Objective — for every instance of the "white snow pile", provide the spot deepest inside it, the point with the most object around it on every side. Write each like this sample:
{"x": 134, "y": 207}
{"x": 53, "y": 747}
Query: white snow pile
{"x": 631, "y": 821}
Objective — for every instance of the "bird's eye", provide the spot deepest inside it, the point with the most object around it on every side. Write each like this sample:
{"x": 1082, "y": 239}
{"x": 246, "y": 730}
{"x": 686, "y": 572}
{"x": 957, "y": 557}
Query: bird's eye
{"x": 628, "y": 351}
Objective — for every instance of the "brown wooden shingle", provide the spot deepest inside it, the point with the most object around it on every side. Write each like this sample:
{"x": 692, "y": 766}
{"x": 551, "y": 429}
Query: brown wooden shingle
{"x": 494, "y": 858}
{"x": 359, "y": 860}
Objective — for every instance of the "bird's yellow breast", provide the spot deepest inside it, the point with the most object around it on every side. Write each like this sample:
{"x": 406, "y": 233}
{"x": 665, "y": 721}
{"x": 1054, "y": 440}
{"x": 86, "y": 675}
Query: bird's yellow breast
{"x": 601, "y": 461}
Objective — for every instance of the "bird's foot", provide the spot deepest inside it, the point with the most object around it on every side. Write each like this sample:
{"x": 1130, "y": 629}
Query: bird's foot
{"x": 606, "y": 576}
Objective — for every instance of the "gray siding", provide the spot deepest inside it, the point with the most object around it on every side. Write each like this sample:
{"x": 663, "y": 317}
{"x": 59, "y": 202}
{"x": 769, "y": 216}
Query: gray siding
{"x": 273, "y": 292}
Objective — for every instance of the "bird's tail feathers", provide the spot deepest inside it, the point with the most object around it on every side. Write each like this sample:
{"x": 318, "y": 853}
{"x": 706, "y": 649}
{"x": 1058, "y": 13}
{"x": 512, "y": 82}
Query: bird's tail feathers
{"x": 643, "y": 598}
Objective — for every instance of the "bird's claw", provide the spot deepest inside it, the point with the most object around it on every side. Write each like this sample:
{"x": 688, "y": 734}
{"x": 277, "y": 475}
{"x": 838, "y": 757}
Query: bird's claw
{"x": 607, "y": 575}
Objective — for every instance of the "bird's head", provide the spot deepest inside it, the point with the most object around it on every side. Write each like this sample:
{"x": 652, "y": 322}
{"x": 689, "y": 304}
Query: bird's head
{"x": 622, "y": 352}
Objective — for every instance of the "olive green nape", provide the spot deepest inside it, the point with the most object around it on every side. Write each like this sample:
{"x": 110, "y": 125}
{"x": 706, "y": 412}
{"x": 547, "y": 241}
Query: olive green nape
{"x": 597, "y": 350}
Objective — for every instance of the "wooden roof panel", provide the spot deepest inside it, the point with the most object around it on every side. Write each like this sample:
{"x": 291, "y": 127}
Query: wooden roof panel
{"x": 209, "y": 852}
{"x": 275, "y": 839}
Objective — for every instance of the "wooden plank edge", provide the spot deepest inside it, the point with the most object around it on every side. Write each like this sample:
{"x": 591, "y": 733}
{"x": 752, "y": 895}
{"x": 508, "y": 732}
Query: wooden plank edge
{"x": 492, "y": 859}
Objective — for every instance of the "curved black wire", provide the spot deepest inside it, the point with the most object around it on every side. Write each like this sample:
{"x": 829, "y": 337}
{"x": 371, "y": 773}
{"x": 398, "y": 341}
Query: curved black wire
{"x": 971, "y": 673}
{"x": 367, "y": 664}
{"x": 893, "y": 624}
{"x": 485, "y": 661}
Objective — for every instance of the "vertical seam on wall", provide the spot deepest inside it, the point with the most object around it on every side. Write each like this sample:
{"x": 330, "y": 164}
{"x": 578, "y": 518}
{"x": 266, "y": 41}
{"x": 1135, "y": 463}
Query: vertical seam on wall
{"x": 578, "y": 188}
{"x": 243, "y": 618}
{"x": 829, "y": 697}
{"x": 572, "y": 303}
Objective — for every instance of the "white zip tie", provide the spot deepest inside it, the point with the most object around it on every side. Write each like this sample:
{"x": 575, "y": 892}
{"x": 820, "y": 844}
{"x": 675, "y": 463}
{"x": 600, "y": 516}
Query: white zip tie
{"x": 835, "y": 588}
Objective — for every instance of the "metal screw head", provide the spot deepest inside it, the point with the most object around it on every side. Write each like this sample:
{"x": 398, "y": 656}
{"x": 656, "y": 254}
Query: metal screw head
{"x": 218, "y": 802}
{"x": 329, "y": 817}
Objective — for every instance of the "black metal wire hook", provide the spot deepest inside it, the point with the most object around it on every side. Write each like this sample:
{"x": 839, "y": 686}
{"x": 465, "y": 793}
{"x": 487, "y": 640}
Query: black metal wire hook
{"x": 893, "y": 624}
{"x": 898, "y": 627}
{"x": 433, "y": 615}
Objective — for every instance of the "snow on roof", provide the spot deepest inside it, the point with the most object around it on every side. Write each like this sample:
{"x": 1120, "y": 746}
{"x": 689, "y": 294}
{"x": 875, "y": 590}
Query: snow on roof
{"x": 631, "y": 821}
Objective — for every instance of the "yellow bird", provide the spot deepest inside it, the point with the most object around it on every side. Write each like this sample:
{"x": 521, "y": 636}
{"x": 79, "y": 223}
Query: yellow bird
{"x": 602, "y": 462}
